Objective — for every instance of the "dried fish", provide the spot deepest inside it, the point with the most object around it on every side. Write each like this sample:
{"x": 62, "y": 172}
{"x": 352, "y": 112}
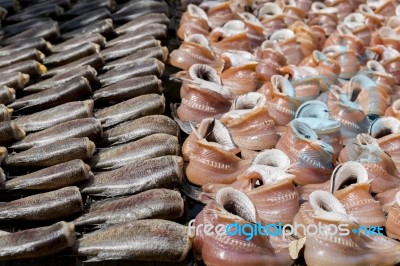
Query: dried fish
{"x": 15, "y": 80}
{"x": 134, "y": 9}
{"x": 72, "y": 54}
{"x": 122, "y": 49}
{"x": 138, "y": 42}
{"x": 53, "y": 153}
{"x": 141, "y": 21}
{"x": 38, "y": 43}
{"x": 7, "y": 95}
{"x": 15, "y": 28}
{"x": 157, "y": 31}
{"x": 74, "y": 89}
{"x": 53, "y": 177}
{"x": 104, "y": 27}
{"x": 149, "y": 66}
{"x": 30, "y": 67}
{"x": 154, "y": 203}
{"x": 82, "y": 7}
{"x": 160, "y": 172}
{"x": 85, "y": 19}
{"x": 129, "y": 88}
{"x": 152, "y": 239}
{"x": 141, "y": 127}
{"x": 44, "y": 206}
{"x": 148, "y": 147}
{"x": 37, "y": 11}
{"x": 37, "y": 242}
{"x": 5, "y": 113}
{"x": 150, "y": 104}
{"x": 79, "y": 40}
{"x": 22, "y": 55}
{"x": 9, "y": 132}
{"x": 49, "y": 32}
{"x": 79, "y": 128}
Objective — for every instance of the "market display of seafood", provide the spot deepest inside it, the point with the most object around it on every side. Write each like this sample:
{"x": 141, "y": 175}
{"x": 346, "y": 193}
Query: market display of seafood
{"x": 130, "y": 127}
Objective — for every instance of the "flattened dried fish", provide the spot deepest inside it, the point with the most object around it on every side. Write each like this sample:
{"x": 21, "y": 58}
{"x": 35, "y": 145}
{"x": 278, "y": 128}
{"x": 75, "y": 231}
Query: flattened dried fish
{"x": 82, "y": 7}
{"x": 56, "y": 115}
{"x": 53, "y": 153}
{"x": 10, "y": 131}
{"x": 141, "y": 127}
{"x": 30, "y": 67}
{"x": 125, "y": 48}
{"x": 5, "y": 113}
{"x": 104, "y": 27}
{"x": 148, "y": 147}
{"x": 149, "y": 66}
{"x": 72, "y": 54}
{"x": 22, "y": 55}
{"x": 160, "y": 53}
{"x": 44, "y": 206}
{"x": 79, "y": 40}
{"x": 152, "y": 239}
{"x": 53, "y": 177}
{"x": 85, "y": 19}
{"x": 160, "y": 172}
{"x": 37, "y": 242}
{"x": 49, "y": 31}
{"x": 87, "y": 72}
{"x": 141, "y": 21}
{"x": 37, "y": 11}
{"x": 134, "y": 9}
{"x": 7, "y": 95}
{"x": 150, "y": 104}
{"x": 139, "y": 43}
{"x": 154, "y": 203}
{"x": 129, "y": 88}
{"x": 15, "y": 80}
{"x": 38, "y": 43}
{"x": 79, "y": 128}
{"x": 72, "y": 90}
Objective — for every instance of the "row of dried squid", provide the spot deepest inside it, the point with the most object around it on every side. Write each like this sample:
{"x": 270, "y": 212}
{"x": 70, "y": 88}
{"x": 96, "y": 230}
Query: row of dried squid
{"x": 292, "y": 111}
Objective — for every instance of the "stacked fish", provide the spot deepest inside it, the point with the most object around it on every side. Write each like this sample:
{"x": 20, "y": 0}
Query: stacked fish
{"x": 292, "y": 110}
{"x": 82, "y": 106}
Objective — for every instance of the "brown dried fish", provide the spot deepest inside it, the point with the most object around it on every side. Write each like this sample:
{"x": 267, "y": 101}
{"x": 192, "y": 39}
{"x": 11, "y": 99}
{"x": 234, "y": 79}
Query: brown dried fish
{"x": 79, "y": 40}
{"x": 79, "y": 128}
{"x": 37, "y": 242}
{"x": 15, "y": 80}
{"x": 53, "y": 153}
{"x": 141, "y": 21}
{"x": 150, "y": 104}
{"x": 56, "y": 115}
{"x": 152, "y": 146}
{"x": 72, "y": 54}
{"x": 160, "y": 53}
{"x": 7, "y": 95}
{"x": 9, "y": 132}
{"x": 38, "y": 43}
{"x": 146, "y": 41}
{"x": 30, "y": 67}
{"x": 22, "y": 55}
{"x": 128, "y": 47}
{"x": 149, "y": 66}
{"x": 151, "y": 239}
{"x": 87, "y": 72}
{"x": 94, "y": 60}
{"x": 44, "y": 206}
{"x": 154, "y": 203}
{"x": 85, "y": 18}
{"x": 104, "y": 27}
{"x": 129, "y": 88}
{"x": 134, "y": 9}
{"x": 48, "y": 31}
{"x": 139, "y": 128}
{"x": 5, "y": 113}
{"x": 72, "y": 90}
{"x": 160, "y": 172}
{"x": 53, "y": 177}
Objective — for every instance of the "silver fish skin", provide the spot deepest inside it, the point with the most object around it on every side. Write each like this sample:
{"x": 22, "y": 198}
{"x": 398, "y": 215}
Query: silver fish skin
{"x": 15, "y": 80}
{"x": 49, "y": 32}
{"x": 53, "y": 153}
{"x": 7, "y": 95}
{"x": 5, "y": 113}
{"x": 151, "y": 239}
{"x": 30, "y": 67}
{"x": 53, "y": 177}
{"x": 149, "y": 66}
{"x": 126, "y": 48}
{"x": 148, "y": 41}
{"x": 140, "y": 106}
{"x": 139, "y": 128}
{"x": 87, "y": 72}
{"x": 137, "y": 23}
{"x": 85, "y": 19}
{"x": 22, "y": 26}
{"x": 10, "y": 131}
{"x": 86, "y": 6}
{"x": 37, "y": 242}
{"x": 56, "y": 115}
{"x": 35, "y": 11}
{"x": 79, "y": 40}
{"x": 154, "y": 203}
{"x": 160, "y": 53}
{"x": 129, "y": 88}
{"x": 44, "y": 206}
{"x": 160, "y": 172}
{"x": 95, "y": 60}
{"x": 38, "y": 43}
{"x": 73, "y": 54}
{"x": 72, "y": 90}
{"x": 104, "y": 27}
{"x": 157, "y": 30}
{"x": 135, "y": 9}
{"x": 86, "y": 127}
{"x": 25, "y": 54}
{"x": 152, "y": 146}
